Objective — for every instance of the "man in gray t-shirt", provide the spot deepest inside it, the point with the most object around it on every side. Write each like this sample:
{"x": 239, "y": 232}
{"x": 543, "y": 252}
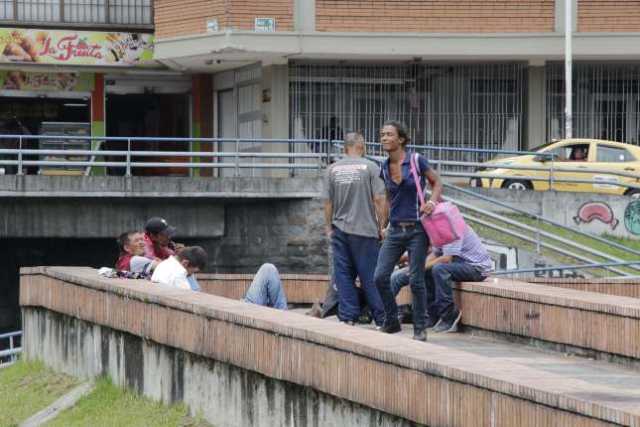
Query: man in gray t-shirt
{"x": 355, "y": 211}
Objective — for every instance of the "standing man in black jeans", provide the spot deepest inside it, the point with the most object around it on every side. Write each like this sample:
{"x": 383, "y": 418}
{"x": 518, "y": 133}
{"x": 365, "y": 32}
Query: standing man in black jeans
{"x": 355, "y": 212}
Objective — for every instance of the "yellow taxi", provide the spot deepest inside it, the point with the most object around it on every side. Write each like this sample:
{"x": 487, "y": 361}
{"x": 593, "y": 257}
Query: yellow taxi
{"x": 606, "y": 163}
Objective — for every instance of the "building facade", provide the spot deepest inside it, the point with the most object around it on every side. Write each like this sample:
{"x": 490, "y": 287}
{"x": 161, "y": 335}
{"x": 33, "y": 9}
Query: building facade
{"x": 459, "y": 73}
{"x": 87, "y": 69}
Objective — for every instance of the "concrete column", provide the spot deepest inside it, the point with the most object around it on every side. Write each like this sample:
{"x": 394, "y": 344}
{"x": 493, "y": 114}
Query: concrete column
{"x": 304, "y": 12}
{"x": 536, "y": 106}
{"x": 275, "y": 109}
{"x": 559, "y": 15}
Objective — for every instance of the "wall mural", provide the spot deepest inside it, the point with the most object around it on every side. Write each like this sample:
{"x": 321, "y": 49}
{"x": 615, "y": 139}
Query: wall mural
{"x": 602, "y": 212}
{"x": 632, "y": 217}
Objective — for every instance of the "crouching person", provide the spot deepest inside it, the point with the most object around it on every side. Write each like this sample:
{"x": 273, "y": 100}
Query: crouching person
{"x": 179, "y": 270}
{"x": 464, "y": 260}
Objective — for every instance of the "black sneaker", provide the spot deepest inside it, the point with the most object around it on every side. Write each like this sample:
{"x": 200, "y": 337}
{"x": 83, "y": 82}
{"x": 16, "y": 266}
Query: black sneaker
{"x": 420, "y": 335}
{"x": 391, "y": 327}
{"x": 448, "y": 323}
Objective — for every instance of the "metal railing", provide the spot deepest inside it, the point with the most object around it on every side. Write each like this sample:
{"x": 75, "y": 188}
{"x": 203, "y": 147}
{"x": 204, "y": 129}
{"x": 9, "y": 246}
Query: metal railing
{"x": 79, "y": 12}
{"x": 123, "y": 154}
{"x": 537, "y": 271}
{"x": 11, "y": 351}
{"x": 131, "y": 153}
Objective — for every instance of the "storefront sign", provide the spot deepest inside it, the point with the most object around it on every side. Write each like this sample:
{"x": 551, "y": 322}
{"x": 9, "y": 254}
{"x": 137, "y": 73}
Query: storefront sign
{"x": 74, "y": 47}
{"x": 62, "y": 82}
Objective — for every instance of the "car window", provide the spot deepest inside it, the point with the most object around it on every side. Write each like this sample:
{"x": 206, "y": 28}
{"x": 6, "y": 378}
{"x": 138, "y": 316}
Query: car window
{"x": 610, "y": 154}
{"x": 571, "y": 153}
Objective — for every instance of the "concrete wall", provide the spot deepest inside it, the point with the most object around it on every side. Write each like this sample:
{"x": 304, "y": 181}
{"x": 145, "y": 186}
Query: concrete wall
{"x": 289, "y": 234}
{"x": 592, "y": 213}
{"x": 222, "y": 393}
{"x": 106, "y": 218}
{"x": 180, "y": 345}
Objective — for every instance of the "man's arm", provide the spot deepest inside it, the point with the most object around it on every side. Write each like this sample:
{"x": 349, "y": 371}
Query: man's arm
{"x": 328, "y": 217}
{"x": 436, "y": 191}
{"x": 433, "y": 260}
{"x": 381, "y": 204}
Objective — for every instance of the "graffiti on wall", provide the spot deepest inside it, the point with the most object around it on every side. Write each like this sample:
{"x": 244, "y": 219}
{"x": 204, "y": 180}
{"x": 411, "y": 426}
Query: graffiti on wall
{"x": 632, "y": 218}
{"x": 600, "y": 211}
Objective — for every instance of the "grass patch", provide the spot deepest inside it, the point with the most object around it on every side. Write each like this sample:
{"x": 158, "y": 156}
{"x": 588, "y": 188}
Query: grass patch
{"x": 28, "y": 387}
{"x": 109, "y": 405}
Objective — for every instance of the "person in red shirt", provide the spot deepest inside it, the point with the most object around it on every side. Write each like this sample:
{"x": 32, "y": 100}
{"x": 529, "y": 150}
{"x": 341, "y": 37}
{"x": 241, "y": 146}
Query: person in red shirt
{"x": 131, "y": 257}
{"x": 157, "y": 239}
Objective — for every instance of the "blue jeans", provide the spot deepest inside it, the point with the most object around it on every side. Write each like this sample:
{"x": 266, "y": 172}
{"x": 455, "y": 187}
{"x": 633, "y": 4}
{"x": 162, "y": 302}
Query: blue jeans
{"x": 438, "y": 281}
{"x": 355, "y": 256}
{"x": 439, "y": 291}
{"x": 415, "y": 241}
{"x": 195, "y": 286}
{"x": 266, "y": 288}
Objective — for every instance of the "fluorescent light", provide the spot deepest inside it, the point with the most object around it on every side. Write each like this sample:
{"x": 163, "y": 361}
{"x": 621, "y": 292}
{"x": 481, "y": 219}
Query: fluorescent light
{"x": 74, "y": 105}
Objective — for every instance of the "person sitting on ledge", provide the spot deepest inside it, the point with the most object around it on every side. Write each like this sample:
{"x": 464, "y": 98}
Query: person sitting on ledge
{"x": 157, "y": 239}
{"x": 178, "y": 270}
{"x": 464, "y": 260}
{"x": 131, "y": 244}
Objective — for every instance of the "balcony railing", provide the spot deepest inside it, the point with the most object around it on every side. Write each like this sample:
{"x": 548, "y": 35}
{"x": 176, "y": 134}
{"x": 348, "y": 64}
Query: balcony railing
{"x": 136, "y": 13}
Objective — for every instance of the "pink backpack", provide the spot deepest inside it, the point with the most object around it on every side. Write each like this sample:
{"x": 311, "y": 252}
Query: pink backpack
{"x": 445, "y": 224}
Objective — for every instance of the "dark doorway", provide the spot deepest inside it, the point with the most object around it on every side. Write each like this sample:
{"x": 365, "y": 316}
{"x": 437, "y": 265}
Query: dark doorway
{"x": 150, "y": 116}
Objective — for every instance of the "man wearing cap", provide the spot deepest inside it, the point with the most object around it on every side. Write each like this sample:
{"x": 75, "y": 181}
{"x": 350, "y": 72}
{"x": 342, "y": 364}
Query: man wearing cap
{"x": 157, "y": 239}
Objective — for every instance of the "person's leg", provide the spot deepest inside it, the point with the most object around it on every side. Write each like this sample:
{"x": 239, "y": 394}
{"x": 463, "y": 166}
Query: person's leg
{"x": 330, "y": 302}
{"x": 266, "y": 288}
{"x": 417, "y": 247}
{"x": 365, "y": 250}
{"x": 392, "y": 248}
{"x": 443, "y": 276}
{"x": 344, "y": 271}
{"x": 430, "y": 288}
{"x": 399, "y": 279}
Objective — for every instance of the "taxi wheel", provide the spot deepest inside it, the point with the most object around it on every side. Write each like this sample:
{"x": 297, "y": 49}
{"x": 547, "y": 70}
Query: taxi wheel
{"x": 517, "y": 185}
{"x": 634, "y": 194}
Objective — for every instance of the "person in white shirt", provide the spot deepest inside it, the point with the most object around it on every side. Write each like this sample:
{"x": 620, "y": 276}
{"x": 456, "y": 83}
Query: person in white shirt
{"x": 178, "y": 270}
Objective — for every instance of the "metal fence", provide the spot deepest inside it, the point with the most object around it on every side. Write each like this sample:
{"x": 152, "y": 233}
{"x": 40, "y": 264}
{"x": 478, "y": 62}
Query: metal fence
{"x": 10, "y": 347}
{"x": 447, "y": 105}
{"x": 606, "y": 100}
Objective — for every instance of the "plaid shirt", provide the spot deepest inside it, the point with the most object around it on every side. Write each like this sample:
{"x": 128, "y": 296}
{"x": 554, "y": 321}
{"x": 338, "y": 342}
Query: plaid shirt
{"x": 469, "y": 249}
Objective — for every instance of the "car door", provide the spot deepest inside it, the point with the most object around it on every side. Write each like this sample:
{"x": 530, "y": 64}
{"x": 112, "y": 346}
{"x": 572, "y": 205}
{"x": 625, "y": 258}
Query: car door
{"x": 569, "y": 166}
{"x": 616, "y": 159}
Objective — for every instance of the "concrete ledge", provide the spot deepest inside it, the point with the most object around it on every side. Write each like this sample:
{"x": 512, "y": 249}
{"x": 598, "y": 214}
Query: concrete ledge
{"x": 299, "y": 288}
{"x": 508, "y": 308}
{"x": 420, "y": 382}
{"x": 152, "y": 187}
{"x": 588, "y": 320}
{"x": 620, "y": 287}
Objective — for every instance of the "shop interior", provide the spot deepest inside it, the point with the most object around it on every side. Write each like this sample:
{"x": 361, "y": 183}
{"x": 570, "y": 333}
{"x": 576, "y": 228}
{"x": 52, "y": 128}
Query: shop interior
{"x": 149, "y": 115}
{"x": 40, "y": 115}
